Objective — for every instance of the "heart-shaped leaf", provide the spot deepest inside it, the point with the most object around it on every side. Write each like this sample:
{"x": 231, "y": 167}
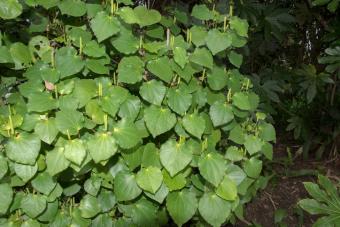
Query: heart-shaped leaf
{"x": 194, "y": 124}
{"x": 75, "y": 151}
{"x": 130, "y": 70}
{"x": 10, "y": 9}
{"x": 159, "y": 120}
{"x": 212, "y": 167}
{"x": 125, "y": 186}
{"x": 182, "y": 206}
{"x": 153, "y": 91}
{"x": 46, "y": 130}
{"x": 221, "y": 113}
{"x": 218, "y": 41}
{"x": 24, "y": 148}
{"x": 104, "y": 26}
{"x": 214, "y": 209}
{"x": 102, "y": 146}
{"x": 175, "y": 156}
{"x": 150, "y": 179}
{"x": 161, "y": 68}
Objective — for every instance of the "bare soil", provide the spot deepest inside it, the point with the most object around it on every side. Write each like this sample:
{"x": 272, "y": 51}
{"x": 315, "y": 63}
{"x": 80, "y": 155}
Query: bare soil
{"x": 286, "y": 188}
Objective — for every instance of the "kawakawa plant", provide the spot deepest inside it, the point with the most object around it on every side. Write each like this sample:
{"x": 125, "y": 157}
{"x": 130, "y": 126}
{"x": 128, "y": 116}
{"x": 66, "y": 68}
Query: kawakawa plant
{"x": 113, "y": 114}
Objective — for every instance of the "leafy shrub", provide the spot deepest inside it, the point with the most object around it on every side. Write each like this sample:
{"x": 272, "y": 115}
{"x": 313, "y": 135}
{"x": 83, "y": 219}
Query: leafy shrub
{"x": 119, "y": 115}
{"x": 325, "y": 202}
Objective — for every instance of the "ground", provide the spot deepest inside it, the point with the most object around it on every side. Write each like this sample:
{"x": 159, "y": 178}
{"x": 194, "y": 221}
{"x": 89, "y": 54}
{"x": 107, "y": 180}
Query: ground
{"x": 286, "y": 188}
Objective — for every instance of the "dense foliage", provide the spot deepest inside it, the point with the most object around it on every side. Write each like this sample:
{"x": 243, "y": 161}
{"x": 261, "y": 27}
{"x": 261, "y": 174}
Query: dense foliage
{"x": 117, "y": 114}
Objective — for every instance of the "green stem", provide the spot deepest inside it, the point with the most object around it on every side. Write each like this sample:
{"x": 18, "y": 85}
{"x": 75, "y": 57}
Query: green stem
{"x": 80, "y": 46}
{"x": 10, "y": 119}
{"x": 105, "y": 122}
{"x": 68, "y": 135}
{"x": 231, "y": 8}
{"x": 56, "y": 91}
{"x": 52, "y": 58}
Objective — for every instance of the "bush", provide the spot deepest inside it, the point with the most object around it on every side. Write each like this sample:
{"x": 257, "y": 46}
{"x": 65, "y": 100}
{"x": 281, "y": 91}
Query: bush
{"x": 115, "y": 114}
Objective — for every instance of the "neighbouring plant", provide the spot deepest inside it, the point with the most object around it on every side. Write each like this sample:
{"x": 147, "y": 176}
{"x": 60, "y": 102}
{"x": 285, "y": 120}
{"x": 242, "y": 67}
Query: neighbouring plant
{"x": 325, "y": 202}
{"x": 115, "y": 114}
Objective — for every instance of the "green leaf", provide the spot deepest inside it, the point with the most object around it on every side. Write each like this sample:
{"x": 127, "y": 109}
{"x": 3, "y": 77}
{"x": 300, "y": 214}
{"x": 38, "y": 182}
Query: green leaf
{"x": 239, "y": 25}
{"x": 75, "y": 8}
{"x": 67, "y": 62}
{"x": 153, "y": 91}
{"x": 10, "y": 9}
{"x": 104, "y": 26}
{"x": 313, "y": 207}
{"x": 3, "y": 167}
{"x": 203, "y": 57}
{"x": 106, "y": 200}
{"x": 125, "y": 42}
{"x": 253, "y": 144}
{"x": 150, "y": 179}
{"x": 175, "y": 156}
{"x": 130, "y": 70}
{"x": 130, "y": 108}
{"x": 179, "y": 100}
{"x": 237, "y": 135}
{"x": 84, "y": 91}
{"x": 221, "y": 113}
{"x": 160, "y": 67}
{"x": 214, "y": 209}
{"x": 160, "y": 195}
{"x": 111, "y": 102}
{"x": 253, "y": 167}
{"x": 202, "y": 12}
{"x": 125, "y": 186}
{"x": 6, "y": 197}
{"x": 267, "y": 132}
{"x": 218, "y": 41}
{"x": 217, "y": 78}
{"x": 23, "y": 148}
{"x": 98, "y": 65}
{"x": 44, "y": 183}
{"x": 140, "y": 15}
{"x": 227, "y": 189}
{"x": 143, "y": 213}
{"x": 33, "y": 205}
{"x": 234, "y": 154}
{"x": 25, "y": 172}
{"x": 93, "y": 49}
{"x": 235, "y": 58}
{"x": 50, "y": 212}
{"x": 194, "y": 124}
{"x": 46, "y": 130}
{"x": 133, "y": 157}
{"x": 75, "y": 151}
{"x": 20, "y": 54}
{"x": 174, "y": 183}
{"x": 89, "y": 206}
{"x": 241, "y": 100}
{"x": 159, "y": 120}
{"x": 69, "y": 121}
{"x": 151, "y": 156}
{"x": 180, "y": 56}
{"x": 199, "y": 35}
{"x": 212, "y": 167}
{"x": 102, "y": 146}
{"x": 126, "y": 134}
{"x": 92, "y": 185}
{"x": 56, "y": 161}
{"x": 182, "y": 206}
{"x": 95, "y": 112}
{"x": 41, "y": 102}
